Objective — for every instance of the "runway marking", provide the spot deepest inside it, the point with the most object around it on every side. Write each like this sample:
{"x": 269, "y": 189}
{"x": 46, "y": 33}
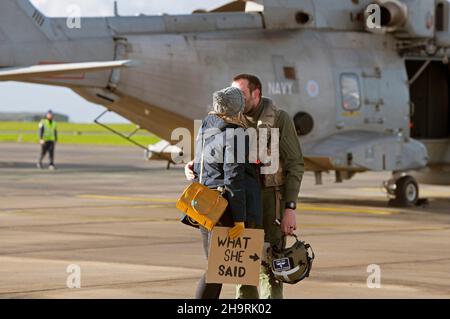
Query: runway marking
{"x": 46, "y": 209}
{"x": 305, "y": 207}
{"x": 125, "y": 198}
{"x": 423, "y": 192}
{"x": 346, "y": 210}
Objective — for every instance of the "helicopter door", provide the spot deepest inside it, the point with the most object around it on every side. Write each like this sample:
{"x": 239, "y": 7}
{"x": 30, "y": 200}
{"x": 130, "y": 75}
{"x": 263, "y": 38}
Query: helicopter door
{"x": 430, "y": 96}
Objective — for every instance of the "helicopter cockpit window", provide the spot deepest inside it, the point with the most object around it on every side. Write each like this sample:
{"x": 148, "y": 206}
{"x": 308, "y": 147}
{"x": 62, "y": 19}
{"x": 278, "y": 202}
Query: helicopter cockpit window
{"x": 351, "y": 94}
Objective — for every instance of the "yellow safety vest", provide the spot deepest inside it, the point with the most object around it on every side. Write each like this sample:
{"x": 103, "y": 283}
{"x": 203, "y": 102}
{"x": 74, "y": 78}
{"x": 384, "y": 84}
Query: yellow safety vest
{"x": 49, "y": 130}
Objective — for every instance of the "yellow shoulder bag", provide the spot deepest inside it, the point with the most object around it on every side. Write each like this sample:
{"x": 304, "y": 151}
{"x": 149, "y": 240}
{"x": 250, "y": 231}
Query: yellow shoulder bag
{"x": 204, "y": 205}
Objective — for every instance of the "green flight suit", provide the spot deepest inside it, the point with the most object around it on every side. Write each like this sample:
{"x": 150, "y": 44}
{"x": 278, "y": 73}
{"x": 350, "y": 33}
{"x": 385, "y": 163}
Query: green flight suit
{"x": 293, "y": 166}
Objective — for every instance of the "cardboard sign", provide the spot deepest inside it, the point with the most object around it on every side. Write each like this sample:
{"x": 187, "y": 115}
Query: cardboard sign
{"x": 235, "y": 261}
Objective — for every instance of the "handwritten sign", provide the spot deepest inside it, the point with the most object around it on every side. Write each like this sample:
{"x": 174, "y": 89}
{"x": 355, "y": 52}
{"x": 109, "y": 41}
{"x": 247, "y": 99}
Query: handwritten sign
{"x": 235, "y": 261}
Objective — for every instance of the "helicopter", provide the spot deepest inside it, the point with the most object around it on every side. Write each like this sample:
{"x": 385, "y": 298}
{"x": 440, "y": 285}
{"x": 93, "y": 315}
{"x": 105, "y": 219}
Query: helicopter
{"x": 366, "y": 82}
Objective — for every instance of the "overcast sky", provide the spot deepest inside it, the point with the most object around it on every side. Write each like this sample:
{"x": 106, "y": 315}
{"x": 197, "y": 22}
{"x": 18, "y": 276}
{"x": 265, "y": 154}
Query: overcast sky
{"x": 18, "y": 97}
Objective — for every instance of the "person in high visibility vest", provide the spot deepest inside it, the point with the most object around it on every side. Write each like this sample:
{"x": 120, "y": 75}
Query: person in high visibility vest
{"x": 48, "y": 137}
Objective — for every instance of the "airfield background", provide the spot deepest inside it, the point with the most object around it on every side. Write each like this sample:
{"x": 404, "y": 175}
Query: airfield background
{"x": 23, "y": 128}
{"x": 30, "y": 117}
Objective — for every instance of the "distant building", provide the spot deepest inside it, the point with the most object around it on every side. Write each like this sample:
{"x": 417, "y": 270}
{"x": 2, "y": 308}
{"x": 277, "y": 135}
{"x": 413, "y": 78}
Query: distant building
{"x": 30, "y": 117}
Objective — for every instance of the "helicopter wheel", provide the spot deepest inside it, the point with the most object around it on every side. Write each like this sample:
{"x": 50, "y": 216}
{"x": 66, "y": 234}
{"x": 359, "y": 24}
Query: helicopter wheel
{"x": 406, "y": 192}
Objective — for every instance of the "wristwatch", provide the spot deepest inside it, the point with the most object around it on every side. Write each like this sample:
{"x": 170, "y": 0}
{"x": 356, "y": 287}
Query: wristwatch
{"x": 291, "y": 205}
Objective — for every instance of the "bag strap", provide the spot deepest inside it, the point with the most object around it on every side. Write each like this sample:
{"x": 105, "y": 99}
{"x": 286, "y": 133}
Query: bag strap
{"x": 202, "y": 158}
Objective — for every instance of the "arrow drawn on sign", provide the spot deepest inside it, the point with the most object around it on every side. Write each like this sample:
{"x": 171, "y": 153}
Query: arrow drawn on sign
{"x": 254, "y": 257}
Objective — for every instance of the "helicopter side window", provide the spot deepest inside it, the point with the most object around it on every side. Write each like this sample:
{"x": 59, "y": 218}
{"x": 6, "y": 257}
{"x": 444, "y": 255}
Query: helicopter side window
{"x": 351, "y": 94}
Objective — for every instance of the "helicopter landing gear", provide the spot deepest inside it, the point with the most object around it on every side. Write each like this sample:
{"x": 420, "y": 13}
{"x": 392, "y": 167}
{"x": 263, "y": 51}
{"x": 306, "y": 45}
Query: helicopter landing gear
{"x": 403, "y": 190}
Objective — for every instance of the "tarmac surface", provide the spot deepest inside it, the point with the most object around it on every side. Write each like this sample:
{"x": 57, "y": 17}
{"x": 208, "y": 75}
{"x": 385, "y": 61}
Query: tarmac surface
{"x": 112, "y": 213}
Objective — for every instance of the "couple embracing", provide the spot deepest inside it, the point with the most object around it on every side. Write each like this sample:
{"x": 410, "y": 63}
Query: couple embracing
{"x": 256, "y": 199}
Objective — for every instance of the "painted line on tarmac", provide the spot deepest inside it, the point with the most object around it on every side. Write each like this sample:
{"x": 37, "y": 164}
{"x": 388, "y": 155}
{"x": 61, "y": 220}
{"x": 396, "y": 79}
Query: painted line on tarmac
{"x": 346, "y": 210}
{"x": 125, "y": 198}
{"x": 43, "y": 210}
{"x": 423, "y": 192}
{"x": 301, "y": 207}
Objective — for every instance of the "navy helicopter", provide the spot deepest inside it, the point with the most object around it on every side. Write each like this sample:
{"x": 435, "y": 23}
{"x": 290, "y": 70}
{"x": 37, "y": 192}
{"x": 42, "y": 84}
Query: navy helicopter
{"x": 366, "y": 82}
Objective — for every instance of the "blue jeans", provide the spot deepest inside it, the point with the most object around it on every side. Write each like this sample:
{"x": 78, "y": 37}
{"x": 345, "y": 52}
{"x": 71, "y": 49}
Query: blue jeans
{"x": 204, "y": 290}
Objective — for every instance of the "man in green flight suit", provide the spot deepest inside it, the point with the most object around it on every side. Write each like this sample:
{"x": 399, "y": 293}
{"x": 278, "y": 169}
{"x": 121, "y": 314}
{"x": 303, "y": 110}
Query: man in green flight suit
{"x": 280, "y": 190}
{"x": 48, "y": 137}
